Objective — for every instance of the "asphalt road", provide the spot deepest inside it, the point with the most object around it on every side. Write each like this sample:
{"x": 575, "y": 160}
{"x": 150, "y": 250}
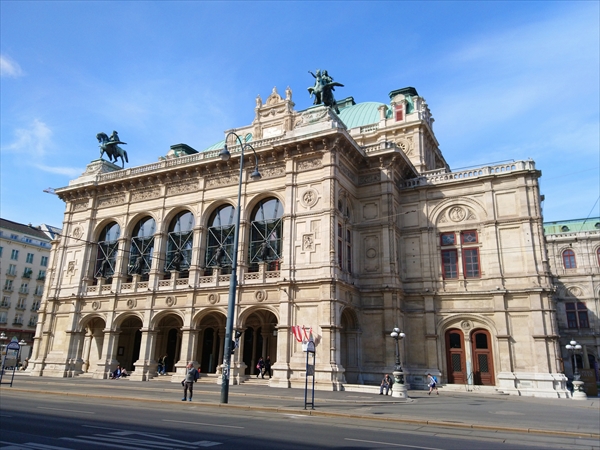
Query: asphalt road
{"x": 31, "y": 421}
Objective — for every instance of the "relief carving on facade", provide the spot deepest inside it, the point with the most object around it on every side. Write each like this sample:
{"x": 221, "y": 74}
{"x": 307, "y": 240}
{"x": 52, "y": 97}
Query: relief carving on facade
{"x": 308, "y": 242}
{"x": 170, "y": 301}
{"x": 131, "y": 303}
{"x": 212, "y": 298}
{"x": 96, "y": 305}
{"x": 309, "y": 164}
{"x": 270, "y": 172}
{"x": 368, "y": 179}
{"x": 309, "y": 198}
{"x": 145, "y": 194}
{"x": 574, "y": 291}
{"x": 77, "y": 232}
{"x": 182, "y": 188}
{"x": 80, "y": 206}
{"x": 347, "y": 172}
{"x": 371, "y": 246}
{"x": 71, "y": 268}
{"x": 222, "y": 180}
{"x": 111, "y": 200}
{"x": 260, "y": 295}
{"x": 457, "y": 214}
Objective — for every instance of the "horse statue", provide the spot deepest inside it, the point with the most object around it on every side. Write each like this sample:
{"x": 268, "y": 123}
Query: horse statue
{"x": 109, "y": 145}
{"x": 323, "y": 89}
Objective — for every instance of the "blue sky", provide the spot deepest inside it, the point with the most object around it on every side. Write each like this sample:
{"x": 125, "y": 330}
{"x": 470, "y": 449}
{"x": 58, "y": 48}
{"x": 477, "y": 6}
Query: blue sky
{"x": 504, "y": 80}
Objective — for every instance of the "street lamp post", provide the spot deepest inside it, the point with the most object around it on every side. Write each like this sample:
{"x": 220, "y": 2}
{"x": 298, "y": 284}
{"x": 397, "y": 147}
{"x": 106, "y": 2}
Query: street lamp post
{"x": 578, "y": 393}
{"x": 399, "y": 388}
{"x": 225, "y": 155}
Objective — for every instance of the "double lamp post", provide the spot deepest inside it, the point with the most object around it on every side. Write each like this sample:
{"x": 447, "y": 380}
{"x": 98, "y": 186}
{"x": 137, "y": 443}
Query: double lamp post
{"x": 229, "y": 344}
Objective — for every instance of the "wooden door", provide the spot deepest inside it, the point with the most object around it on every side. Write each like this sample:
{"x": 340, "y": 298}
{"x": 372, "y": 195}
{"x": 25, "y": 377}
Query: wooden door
{"x": 455, "y": 357}
{"x": 483, "y": 361}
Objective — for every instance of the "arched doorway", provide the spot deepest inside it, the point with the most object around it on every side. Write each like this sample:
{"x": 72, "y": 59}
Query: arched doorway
{"x": 210, "y": 351}
{"x": 483, "y": 361}
{"x": 168, "y": 340}
{"x": 349, "y": 343}
{"x": 455, "y": 357}
{"x": 130, "y": 338}
{"x": 259, "y": 339}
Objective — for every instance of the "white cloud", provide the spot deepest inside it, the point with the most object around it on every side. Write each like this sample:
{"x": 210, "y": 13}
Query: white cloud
{"x": 68, "y": 171}
{"x": 33, "y": 141}
{"x": 9, "y": 68}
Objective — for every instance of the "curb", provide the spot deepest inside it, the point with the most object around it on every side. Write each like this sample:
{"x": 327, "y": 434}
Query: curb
{"x": 312, "y": 412}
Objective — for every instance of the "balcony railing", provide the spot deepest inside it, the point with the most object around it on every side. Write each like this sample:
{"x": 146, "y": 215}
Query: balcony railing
{"x": 5, "y": 305}
{"x": 11, "y": 273}
{"x": 7, "y": 288}
{"x": 23, "y": 291}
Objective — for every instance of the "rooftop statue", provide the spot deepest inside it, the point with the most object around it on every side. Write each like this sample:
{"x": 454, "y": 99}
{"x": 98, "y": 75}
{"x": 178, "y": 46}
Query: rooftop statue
{"x": 323, "y": 90}
{"x": 109, "y": 145}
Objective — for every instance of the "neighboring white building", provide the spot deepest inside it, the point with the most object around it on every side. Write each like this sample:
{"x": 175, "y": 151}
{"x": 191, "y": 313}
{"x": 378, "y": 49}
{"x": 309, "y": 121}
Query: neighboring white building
{"x": 574, "y": 256}
{"x": 357, "y": 226}
{"x": 24, "y": 255}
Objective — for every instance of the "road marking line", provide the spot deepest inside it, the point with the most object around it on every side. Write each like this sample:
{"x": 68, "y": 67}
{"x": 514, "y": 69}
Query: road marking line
{"x": 67, "y": 410}
{"x": 201, "y": 423}
{"x": 393, "y": 444}
{"x": 30, "y": 446}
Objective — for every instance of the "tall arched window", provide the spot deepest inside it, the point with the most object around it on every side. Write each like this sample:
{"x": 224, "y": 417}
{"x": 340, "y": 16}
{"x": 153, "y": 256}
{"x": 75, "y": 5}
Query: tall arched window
{"x": 179, "y": 243}
{"x": 219, "y": 239}
{"x": 106, "y": 257}
{"x": 265, "y": 234}
{"x": 142, "y": 247}
{"x": 569, "y": 259}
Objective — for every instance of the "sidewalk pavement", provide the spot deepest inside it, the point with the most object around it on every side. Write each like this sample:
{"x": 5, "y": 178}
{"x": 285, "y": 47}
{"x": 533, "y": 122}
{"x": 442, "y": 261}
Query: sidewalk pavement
{"x": 467, "y": 410}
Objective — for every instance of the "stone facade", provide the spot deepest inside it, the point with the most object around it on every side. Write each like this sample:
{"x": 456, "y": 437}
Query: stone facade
{"x": 357, "y": 226}
{"x": 574, "y": 257}
{"x": 24, "y": 254}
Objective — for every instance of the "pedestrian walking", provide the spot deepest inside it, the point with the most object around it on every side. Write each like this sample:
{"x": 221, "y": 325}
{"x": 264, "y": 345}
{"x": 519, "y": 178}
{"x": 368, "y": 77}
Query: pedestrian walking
{"x": 432, "y": 383}
{"x": 260, "y": 365}
{"x": 191, "y": 376}
{"x": 267, "y": 367}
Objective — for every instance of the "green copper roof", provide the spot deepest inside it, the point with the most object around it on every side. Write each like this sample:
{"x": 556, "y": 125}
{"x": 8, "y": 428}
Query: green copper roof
{"x": 360, "y": 115}
{"x": 572, "y": 226}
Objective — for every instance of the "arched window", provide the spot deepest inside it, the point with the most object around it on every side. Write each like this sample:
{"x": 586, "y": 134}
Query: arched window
{"x": 179, "y": 243}
{"x": 142, "y": 247}
{"x": 598, "y": 255}
{"x": 265, "y": 235}
{"x": 106, "y": 257}
{"x": 219, "y": 240}
{"x": 569, "y": 259}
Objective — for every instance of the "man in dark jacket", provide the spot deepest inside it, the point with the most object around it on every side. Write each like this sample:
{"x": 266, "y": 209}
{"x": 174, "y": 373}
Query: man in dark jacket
{"x": 191, "y": 376}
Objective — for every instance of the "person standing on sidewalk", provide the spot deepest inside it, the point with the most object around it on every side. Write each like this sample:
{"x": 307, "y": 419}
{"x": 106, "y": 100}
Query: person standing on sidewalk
{"x": 432, "y": 383}
{"x": 267, "y": 367}
{"x": 191, "y": 376}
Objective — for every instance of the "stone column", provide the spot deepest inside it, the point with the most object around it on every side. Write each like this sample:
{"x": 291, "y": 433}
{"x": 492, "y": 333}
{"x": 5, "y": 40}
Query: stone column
{"x": 107, "y": 362}
{"x": 145, "y": 366}
{"x": 189, "y": 344}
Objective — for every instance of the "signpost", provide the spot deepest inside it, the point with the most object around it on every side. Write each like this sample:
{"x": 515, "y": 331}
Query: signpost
{"x": 310, "y": 372}
{"x": 14, "y": 349}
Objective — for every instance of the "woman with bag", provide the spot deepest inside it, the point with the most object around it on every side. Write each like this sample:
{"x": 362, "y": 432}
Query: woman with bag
{"x": 260, "y": 365}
